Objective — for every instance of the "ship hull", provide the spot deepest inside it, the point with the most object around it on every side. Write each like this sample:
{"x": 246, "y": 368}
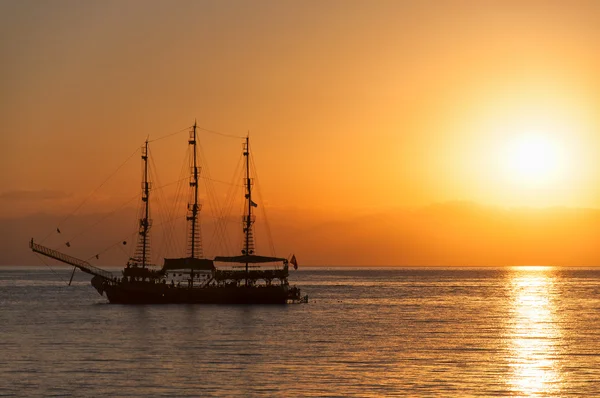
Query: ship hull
{"x": 165, "y": 294}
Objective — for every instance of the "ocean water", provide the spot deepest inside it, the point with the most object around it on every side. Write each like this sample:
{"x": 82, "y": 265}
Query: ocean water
{"x": 366, "y": 332}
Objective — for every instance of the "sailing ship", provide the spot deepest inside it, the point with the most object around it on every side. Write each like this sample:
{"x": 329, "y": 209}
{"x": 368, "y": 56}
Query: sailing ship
{"x": 142, "y": 283}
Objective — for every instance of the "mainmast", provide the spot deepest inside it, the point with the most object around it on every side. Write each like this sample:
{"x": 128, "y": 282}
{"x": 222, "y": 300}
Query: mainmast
{"x": 248, "y": 219}
{"x": 194, "y": 208}
{"x": 142, "y": 251}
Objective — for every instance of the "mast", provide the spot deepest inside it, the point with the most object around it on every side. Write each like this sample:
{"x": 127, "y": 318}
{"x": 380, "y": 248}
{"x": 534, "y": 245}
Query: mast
{"x": 248, "y": 241}
{"x": 142, "y": 252}
{"x": 194, "y": 208}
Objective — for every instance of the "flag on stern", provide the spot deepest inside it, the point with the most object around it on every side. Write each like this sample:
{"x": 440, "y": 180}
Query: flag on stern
{"x": 294, "y": 262}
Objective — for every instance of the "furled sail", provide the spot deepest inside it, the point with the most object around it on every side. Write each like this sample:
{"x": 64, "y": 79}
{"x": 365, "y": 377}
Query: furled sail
{"x": 251, "y": 259}
{"x": 202, "y": 264}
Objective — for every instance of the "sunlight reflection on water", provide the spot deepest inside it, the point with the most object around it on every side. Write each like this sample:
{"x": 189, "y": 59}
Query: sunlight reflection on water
{"x": 534, "y": 332}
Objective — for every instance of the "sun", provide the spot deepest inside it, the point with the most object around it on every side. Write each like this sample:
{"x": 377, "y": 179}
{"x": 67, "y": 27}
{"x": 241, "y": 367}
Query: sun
{"x": 534, "y": 158}
{"x": 529, "y": 147}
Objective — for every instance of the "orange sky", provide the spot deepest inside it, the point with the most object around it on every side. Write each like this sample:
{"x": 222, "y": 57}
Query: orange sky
{"x": 358, "y": 111}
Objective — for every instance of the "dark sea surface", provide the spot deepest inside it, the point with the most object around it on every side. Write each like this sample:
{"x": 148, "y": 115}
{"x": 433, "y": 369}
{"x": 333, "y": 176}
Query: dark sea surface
{"x": 366, "y": 332}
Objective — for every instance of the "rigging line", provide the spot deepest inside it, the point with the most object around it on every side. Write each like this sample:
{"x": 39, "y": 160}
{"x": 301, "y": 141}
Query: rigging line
{"x": 227, "y": 220}
{"x": 213, "y": 202}
{"x": 128, "y": 239}
{"x": 220, "y": 181}
{"x": 214, "y": 207}
{"x": 226, "y": 210}
{"x": 263, "y": 209}
{"x": 107, "y": 215}
{"x": 234, "y": 191}
{"x": 170, "y": 135}
{"x": 168, "y": 184}
{"x": 135, "y": 227}
{"x": 221, "y": 134}
{"x": 120, "y": 242}
{"x": 156, "y": 209}
{"x": 51, "y": 269}
{"x": 172, "y": 244}
{"x": 161, "y": 200}
{"x": 91, "y": 194}
{"x": 165, "y": 213}
{"x": 168, "y": 221}
{"x": 125, "y": 252}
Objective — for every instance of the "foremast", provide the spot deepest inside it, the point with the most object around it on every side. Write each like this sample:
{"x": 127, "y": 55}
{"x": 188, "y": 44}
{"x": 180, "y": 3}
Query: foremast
{"x": 194, "y": 208}
{"x": 248, "y": 220}
{"x": 142, "y": 251}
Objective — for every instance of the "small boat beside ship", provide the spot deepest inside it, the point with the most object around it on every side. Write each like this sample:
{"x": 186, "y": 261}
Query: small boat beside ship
{"x": 203, "y": 282}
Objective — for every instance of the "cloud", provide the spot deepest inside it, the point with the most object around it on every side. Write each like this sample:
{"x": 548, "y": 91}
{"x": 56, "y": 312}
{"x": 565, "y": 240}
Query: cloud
{"x": 44, "y": 194}
{"x": 448, "y": 234}
{"x": 442, "y": 234}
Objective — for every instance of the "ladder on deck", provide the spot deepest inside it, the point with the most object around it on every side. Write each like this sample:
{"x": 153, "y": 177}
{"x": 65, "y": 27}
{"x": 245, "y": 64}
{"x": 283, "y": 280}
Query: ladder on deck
{"x": 65, "y": 258}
